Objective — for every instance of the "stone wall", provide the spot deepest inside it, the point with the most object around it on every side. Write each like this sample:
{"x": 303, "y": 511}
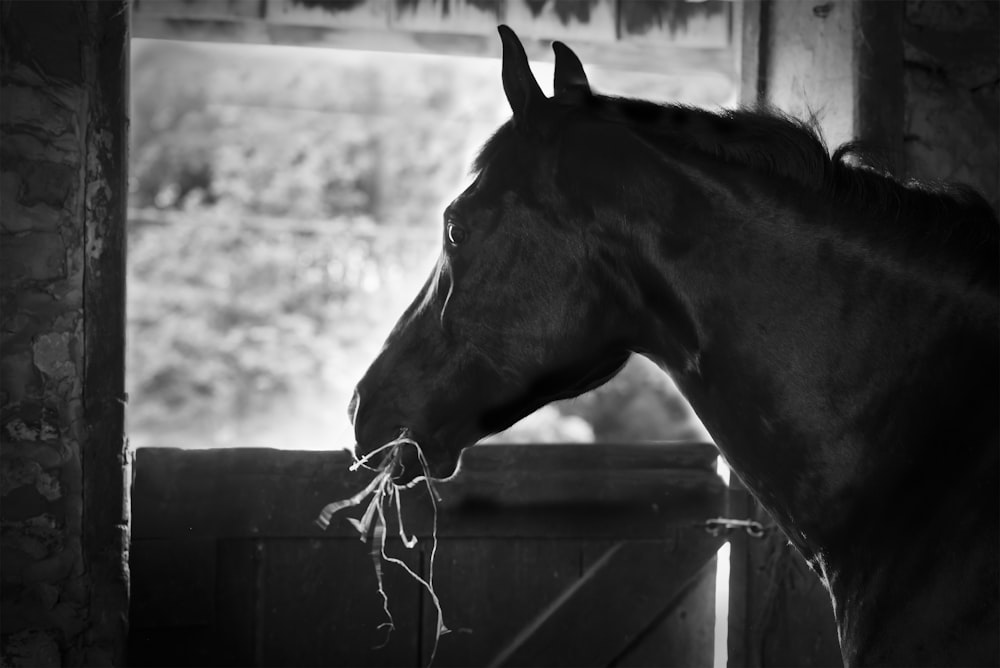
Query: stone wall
{"x": 63, "y": 460}
{"x": 952, "y": 93}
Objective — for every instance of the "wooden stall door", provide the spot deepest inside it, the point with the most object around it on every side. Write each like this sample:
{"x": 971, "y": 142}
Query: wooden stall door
{"x": 581, "y": 603}
{"x": 547, "y": 555}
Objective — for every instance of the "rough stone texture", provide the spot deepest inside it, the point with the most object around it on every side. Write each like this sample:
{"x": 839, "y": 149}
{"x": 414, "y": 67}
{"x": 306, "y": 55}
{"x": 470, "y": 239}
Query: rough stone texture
{"x": 952, "y": 92}
{"x": 62, "y": 458}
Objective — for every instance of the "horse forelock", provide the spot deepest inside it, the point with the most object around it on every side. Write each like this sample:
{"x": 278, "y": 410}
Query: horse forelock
{"x": 490, "y": 150}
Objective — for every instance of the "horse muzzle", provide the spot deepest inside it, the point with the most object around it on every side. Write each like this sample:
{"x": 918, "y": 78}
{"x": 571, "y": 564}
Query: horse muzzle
{"x": 384, "y": 439}
{"x": 419, "y": 458}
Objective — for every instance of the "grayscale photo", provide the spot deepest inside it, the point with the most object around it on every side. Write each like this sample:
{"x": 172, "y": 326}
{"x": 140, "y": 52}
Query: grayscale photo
{"x": 500, "y": 333}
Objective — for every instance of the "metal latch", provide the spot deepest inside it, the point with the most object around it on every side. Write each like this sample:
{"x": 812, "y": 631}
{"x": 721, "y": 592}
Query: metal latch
{"x": 726, "y": 525}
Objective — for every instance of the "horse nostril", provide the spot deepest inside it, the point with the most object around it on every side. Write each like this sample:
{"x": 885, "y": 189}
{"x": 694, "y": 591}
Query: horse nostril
{"x": 352, "y": 406}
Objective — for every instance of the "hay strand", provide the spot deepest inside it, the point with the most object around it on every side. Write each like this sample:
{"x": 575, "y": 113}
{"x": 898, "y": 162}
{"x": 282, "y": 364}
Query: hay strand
{"x": 385, "y": 494}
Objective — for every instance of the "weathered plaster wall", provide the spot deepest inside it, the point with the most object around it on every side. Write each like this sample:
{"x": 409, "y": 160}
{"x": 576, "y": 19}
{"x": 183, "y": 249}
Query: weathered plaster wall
{"x": 918, "y": 81}
{"x": 952, "y": 92}
{"x": 835, "y": 61}
{"x": 63, "y": 462}
{"x": 808, "y": 62}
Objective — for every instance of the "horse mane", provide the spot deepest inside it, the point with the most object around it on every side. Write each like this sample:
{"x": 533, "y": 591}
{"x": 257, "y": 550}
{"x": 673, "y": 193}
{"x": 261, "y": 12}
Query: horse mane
{"x": 770, "y": 142}
{"x": 775, "y": 144}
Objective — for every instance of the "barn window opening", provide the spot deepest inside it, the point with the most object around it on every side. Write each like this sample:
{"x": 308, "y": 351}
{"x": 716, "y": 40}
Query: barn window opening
{"x": 284, "y": 208}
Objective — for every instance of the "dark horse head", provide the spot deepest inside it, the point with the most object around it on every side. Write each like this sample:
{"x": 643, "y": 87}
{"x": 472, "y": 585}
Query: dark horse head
{"x": 513, "y": 316}
{"x": 835, "y": 330}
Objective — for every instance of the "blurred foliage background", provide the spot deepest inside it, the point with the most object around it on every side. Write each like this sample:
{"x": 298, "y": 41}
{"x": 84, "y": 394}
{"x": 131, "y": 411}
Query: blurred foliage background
{"x": 285, "y": 208}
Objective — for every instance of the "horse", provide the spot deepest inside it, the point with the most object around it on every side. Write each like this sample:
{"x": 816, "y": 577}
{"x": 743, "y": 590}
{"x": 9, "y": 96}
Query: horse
{"x": 835, "y": 330}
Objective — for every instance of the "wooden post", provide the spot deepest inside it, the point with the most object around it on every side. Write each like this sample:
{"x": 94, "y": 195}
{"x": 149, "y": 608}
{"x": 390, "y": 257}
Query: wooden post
{"x": 751, "y": 35}
{"x": 838, "y": 61}
{"x": 62, "y": 225}
{"x": 106, "y": 466}
{"x": 878, "y": 43}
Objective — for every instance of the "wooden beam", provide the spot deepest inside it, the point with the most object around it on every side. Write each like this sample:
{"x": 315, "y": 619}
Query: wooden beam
{"x": 578, "y": 20}
{"x": 541, "y": 490}
{"x": 104, "y": 451}
{"x": 342, "y": 14}
{"x": 619, "y": 578}
{"x": 749, "y": 34}
{"x": 692, "y": 24}
{"x": 662, "y": 36}
{"x": 878, "y": 113}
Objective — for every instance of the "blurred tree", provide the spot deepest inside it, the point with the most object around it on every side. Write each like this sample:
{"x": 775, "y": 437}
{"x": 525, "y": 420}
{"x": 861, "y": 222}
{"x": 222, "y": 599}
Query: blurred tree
{"x": 286, "y": 202}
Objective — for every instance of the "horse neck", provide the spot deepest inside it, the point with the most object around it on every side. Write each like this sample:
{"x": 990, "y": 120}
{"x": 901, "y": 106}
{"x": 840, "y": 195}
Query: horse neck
{"x": 810, "y": 360}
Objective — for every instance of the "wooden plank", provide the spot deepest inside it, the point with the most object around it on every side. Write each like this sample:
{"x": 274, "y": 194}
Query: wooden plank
{"x": 608, "y": 503}
{"x": 489, "y": 587}
{"x": 239, "y": 564}
{"x": 549, "y": 456}
{"x": 677, "y": 22}
{"x": 224, "y": 493}
{"x": 654, "y": 58}
{"x": 320, "y": 606}
{"x": 370, "y": 14}
{"x": 474, "y": 17}
{"x": 653, "y": 521}
{"x": 565, "y": 488}
{"x": 684, "y": 635}
{"x": 207, "y": 9}
{"x": 97, "y": 408}
{"x": 878, "y": 44}
{"x": 749, "y": 32}
{"x": 680, "y": 23}
{"x": 146, "y": 25}
{"x": 555, "y": 456}
{"x": 257, "y": 493}
{"x": 173, "y": 582}
{"x": 581, "y": 20}
{"x": 632, "y": 588}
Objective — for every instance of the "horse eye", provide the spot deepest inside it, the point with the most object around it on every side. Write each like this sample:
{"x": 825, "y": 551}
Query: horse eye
{"x": 456, "y": 234}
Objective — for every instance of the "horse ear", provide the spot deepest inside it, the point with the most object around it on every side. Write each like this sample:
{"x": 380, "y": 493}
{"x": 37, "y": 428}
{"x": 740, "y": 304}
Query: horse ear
{"x": 523, "y": 92}
{"x": 569, "y": 74}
